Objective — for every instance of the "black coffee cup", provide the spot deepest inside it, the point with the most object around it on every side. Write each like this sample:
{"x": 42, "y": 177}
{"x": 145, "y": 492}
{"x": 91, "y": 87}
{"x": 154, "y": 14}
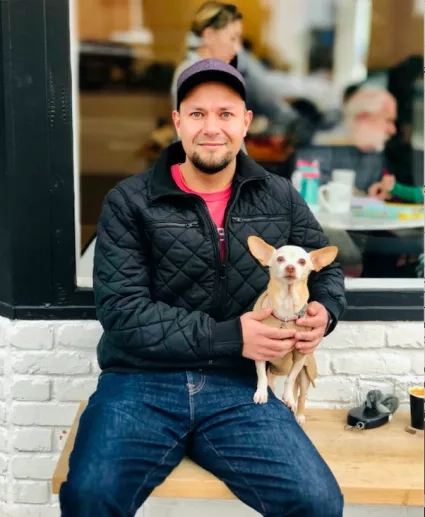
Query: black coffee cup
{"x": 416, "y": 407}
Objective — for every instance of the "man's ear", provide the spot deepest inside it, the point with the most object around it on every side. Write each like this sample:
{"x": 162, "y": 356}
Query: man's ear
{"x": 260, "y": 250}
{"x": 323, "y": 257}
{"x": 176, "y": 120}
{"x": 247, "y": 120}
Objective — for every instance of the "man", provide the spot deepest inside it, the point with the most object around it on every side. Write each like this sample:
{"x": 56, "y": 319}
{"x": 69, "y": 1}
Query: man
{"x": 368, "y": 120}
{"x": 370, "y": 115}
{"x": 174, "y": 283}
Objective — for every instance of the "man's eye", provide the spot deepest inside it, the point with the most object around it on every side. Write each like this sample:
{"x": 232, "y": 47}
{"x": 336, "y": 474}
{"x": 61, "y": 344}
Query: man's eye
{"x": 196, "y": 114}
{"x": 226, "y": 114}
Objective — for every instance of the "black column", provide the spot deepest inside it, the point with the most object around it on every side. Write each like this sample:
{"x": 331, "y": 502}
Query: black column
{"x": 37, "y": 251}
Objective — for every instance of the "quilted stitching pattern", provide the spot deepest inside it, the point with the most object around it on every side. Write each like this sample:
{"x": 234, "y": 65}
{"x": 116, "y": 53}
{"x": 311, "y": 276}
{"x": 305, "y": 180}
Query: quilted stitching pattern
{"x": 157, "y": 285}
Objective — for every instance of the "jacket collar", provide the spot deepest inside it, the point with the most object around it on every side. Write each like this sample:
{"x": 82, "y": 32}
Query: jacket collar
{"x": 162, "y": 183}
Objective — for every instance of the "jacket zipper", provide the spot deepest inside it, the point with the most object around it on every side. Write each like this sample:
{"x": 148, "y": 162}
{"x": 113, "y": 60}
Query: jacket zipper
{"x": 174, "y": 225}
{"x": 218, "y": 302}
{"x": 223, "y": 268}
{"x": 257, "y": 218}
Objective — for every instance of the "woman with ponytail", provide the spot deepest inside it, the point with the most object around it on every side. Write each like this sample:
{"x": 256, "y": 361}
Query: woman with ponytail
{"x": 216, "y": 32}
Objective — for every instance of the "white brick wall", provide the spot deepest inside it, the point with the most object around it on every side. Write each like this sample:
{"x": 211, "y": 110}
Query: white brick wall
{"x": 46, "y": 368}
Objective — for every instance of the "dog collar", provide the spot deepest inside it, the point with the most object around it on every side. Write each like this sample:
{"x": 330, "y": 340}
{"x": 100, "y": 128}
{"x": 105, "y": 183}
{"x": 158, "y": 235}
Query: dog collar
{"x": 293, "y": 317}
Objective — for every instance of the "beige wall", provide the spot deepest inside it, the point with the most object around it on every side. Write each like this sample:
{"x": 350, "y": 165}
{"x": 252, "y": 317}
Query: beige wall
{"x": 97, "y": 19}
{"x": 396, "y": 32}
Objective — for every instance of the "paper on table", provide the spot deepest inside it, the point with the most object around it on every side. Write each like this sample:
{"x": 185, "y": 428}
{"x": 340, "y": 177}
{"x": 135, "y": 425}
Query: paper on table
{"x": 362, "y": 201}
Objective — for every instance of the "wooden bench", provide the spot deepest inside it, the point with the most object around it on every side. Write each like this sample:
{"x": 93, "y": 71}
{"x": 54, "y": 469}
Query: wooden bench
{"x": 382, "y": 466}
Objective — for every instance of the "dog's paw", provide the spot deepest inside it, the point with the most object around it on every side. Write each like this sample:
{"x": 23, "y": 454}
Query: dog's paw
{"x": 300, "y": 419}
{"x": 288, "y": 400}
{"x": 261, "y": 396}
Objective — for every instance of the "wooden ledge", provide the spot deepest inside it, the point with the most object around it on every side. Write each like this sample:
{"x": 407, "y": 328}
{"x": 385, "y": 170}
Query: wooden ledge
{"x": 382, "y": 466}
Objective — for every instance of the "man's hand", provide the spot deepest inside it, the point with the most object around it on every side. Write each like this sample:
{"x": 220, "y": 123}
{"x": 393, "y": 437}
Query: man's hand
{"x": 378, "y": 191}
{"x": 317, "y": 320}
{"x": 382, "y": 189}
{"x": 375, "y": 190}
{"x": 262, "y": 342}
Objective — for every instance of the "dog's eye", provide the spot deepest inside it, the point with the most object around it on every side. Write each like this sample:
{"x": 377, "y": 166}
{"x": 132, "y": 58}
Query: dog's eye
{"x": 281, "y": 259}
{"x": 301, "y": 262}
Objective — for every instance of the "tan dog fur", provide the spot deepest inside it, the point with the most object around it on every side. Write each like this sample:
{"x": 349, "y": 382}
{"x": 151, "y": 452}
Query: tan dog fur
{"x": 287, "y": 293}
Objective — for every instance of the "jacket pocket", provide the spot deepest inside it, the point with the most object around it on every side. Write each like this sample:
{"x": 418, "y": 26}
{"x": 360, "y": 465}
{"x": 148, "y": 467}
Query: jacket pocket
{"x": 259, "y": 219}
{"x": 171, "y": 224}
{"x": 274, "y": 229}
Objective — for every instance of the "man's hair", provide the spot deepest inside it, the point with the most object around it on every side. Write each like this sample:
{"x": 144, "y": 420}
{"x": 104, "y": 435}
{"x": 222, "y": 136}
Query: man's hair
{"x": 367, "y": 100}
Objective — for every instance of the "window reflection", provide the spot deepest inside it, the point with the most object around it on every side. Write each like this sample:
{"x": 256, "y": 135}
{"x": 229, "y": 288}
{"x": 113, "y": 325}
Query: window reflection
{"x": 305, "y": 63}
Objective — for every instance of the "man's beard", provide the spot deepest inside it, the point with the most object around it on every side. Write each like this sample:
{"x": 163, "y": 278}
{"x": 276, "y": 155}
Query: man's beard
{"x": 368, "y": 139}
{"x": 211, "y": 167}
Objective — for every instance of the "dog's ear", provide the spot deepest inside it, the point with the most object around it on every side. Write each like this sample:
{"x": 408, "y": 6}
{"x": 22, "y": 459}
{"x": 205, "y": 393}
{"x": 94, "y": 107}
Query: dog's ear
{"x": 323, "y": 257}
{"x": 260, "y": 250}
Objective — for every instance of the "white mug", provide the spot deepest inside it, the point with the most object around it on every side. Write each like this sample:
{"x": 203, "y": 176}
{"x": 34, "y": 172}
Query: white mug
{"x": 346, "y": 176}
{"x": 335, "y": 197}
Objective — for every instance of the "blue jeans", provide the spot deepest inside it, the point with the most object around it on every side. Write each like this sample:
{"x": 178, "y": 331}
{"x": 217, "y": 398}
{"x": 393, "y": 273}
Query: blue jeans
{"x": 137, "y": 427}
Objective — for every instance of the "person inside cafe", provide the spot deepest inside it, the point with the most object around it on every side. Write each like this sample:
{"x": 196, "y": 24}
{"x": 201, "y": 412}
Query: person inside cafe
{"x": 216, "y": 32}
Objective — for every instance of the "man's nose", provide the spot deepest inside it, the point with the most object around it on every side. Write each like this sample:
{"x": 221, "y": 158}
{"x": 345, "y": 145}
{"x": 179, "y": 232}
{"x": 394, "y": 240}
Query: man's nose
{"x": 290, "y": 269}
{"x": 211, "y": 125}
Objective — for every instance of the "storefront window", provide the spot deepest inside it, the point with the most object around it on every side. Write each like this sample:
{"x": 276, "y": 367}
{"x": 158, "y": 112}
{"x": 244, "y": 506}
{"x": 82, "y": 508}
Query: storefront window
{"x": 85, "y": 101}
{"x": 125, "y": 55}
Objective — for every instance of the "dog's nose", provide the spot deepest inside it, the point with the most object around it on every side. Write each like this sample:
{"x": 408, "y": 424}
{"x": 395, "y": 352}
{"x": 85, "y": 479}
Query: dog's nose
{"x": 290, "y": 269}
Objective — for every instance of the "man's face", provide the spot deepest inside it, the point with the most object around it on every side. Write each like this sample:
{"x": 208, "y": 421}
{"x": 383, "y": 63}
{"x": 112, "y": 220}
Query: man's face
{"x": 373, "y": 130}
{"x": 212, "y": 123}
{"x": 382, "y": 123}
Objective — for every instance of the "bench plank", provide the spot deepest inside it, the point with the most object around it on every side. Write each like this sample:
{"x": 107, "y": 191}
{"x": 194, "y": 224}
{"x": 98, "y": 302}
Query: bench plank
{"x": 380, "y": 466}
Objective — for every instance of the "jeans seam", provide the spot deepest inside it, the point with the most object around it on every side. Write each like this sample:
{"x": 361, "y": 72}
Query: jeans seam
{"x": 198, "y": 388}
{"x": 142, "y": 486}
{"x": 237, "y": 473}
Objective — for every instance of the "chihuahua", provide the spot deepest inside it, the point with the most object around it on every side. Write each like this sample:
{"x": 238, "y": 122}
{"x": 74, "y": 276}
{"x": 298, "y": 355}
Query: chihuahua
{"x": 287, "y": 295}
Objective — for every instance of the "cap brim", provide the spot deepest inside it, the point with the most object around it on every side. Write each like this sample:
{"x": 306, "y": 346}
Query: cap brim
{"x": 210, "y": 76}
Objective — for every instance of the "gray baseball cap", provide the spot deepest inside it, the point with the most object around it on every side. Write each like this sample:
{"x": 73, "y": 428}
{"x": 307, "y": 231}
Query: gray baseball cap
{"x": 207, "y": 71}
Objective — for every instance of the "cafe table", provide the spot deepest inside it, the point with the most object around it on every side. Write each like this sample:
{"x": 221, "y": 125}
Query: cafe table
{"x": 368, "y": 216}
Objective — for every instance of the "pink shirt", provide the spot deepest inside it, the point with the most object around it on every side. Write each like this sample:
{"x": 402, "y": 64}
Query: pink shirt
{"x": 215, "y": 201}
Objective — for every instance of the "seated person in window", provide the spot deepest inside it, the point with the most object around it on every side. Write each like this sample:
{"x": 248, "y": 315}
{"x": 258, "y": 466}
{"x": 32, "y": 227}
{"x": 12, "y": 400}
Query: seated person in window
{"x": 369, "y": 115}
{"x": 398, "y": 150}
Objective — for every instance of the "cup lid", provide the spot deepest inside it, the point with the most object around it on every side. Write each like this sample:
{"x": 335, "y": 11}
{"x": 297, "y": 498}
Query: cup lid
{"x": 417, "y": 391}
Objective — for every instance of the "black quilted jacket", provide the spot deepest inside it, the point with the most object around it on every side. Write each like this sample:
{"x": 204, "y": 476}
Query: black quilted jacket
{"x": 163, "y": 296}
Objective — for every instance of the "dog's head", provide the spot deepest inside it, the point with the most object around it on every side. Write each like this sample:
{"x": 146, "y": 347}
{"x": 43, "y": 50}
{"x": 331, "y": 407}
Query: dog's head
{"x": 291, "y": 263}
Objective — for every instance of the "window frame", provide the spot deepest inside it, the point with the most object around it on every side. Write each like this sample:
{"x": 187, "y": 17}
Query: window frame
{"x": 37, "y": 176}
